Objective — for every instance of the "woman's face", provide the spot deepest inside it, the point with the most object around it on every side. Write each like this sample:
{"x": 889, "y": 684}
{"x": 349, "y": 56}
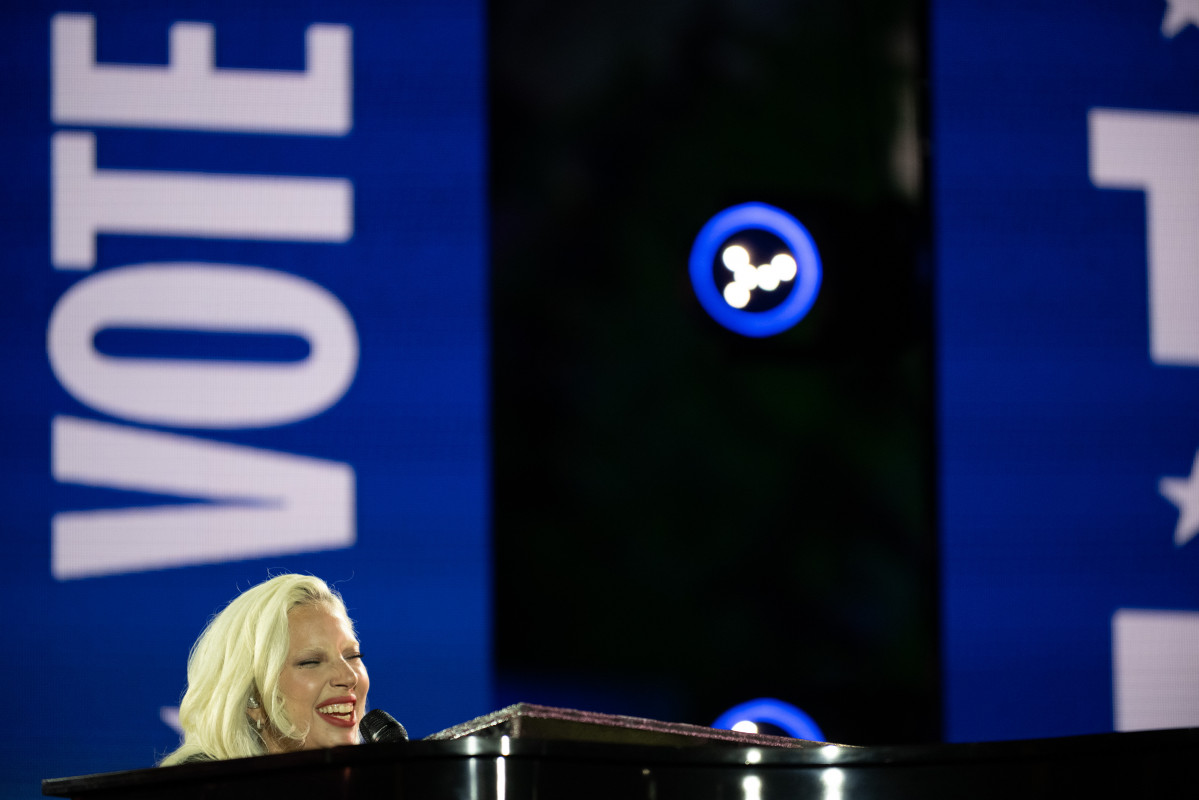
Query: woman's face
{"x": 324, "y": 681}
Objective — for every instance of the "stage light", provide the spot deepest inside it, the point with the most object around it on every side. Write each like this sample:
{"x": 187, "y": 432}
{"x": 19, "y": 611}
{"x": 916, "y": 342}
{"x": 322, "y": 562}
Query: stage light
{"x": 746, "y": 275}
{"x": 768, "y": 277}
{"x": 774, "y": 712}
{"x": 760, "y": 300}
{"x": 736, "y": 295}
{"x": 735, "y": 256}
{"x": 785, "y": 265}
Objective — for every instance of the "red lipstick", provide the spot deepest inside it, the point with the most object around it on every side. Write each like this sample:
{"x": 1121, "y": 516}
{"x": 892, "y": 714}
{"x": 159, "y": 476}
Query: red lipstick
{"x": 347, "y": 720}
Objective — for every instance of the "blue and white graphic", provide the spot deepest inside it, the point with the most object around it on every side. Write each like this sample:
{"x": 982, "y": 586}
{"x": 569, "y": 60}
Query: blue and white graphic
{"x": 1179, "y": 14}
{"x": 792, "y": 271}
{"x": 1066, "y": 200}
{"x": 243, "y": 332}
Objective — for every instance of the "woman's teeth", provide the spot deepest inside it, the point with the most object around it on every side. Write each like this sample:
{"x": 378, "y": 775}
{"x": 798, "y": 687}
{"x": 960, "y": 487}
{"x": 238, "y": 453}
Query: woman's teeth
{"x": 337, "y": 708}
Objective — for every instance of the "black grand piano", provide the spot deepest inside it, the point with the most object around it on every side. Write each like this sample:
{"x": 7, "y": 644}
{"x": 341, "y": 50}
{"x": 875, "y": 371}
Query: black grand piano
{"x": 529, "y": 752}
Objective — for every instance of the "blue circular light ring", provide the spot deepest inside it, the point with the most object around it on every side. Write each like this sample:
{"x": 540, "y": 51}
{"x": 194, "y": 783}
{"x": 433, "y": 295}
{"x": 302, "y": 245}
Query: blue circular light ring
{"x": 807, "y": 261}
{"x": 776, "y": 712}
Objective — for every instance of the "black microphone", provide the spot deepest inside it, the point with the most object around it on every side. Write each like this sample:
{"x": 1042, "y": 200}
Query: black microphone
{"x": 379, "y": 726}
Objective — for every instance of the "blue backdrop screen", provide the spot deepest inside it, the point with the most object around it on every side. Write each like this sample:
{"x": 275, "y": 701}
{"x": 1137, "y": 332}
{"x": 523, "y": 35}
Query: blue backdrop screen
{"x": 243, "y": 332}
{"x": 1066, "y": 147}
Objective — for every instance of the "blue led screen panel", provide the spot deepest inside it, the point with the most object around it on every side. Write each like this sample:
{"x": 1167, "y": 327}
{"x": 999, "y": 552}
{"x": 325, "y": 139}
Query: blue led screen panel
{"x": 1066, "y": 138}
{"x": 243, "y": 333}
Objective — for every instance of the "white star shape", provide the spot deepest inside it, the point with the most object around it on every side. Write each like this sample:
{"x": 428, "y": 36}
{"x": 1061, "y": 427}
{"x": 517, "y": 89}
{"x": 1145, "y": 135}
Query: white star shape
{"x": 1184, "y": 493}
{"x": 1179, "y": 14}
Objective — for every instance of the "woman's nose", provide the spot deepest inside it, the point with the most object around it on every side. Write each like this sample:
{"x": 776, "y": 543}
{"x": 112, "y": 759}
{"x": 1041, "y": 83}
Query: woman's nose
{"x": 346, "y": 675}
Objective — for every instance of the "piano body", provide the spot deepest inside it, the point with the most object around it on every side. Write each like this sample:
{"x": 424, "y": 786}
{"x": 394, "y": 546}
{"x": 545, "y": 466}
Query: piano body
{"x": 528, "y": 752}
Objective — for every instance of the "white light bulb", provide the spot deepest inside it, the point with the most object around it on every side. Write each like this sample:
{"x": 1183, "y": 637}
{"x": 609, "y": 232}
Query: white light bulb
{"x": 747, "y": 276}
{"x": 768, "y": 277}
{"x": 736, "y": 295}
{"x": 735, "y": 256}
{"x": 784, "y": 266}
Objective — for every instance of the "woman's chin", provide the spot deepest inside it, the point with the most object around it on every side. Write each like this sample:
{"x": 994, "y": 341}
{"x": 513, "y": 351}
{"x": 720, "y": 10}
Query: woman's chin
{"x": 337, "y": 740}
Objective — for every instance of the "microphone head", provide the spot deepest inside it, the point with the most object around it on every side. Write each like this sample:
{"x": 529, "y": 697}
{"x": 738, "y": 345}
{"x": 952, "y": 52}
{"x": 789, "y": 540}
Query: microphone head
{"x": 379, "y": 726}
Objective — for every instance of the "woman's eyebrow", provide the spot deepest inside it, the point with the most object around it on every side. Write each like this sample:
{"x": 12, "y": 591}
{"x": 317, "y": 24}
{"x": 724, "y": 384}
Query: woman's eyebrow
{"x": 311, "y": 649}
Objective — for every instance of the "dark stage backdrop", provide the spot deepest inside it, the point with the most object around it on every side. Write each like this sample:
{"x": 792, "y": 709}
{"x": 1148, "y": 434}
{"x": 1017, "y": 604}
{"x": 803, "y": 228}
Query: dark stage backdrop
{"x": 687, "y": 518}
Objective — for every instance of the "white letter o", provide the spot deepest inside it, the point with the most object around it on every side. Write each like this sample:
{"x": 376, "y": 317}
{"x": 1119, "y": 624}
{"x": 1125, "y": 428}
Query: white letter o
{"x": 202, "y": 297}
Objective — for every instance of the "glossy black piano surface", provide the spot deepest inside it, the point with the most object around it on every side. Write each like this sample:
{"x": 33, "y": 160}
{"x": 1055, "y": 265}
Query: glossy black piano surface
{"x": 501, "y": 761}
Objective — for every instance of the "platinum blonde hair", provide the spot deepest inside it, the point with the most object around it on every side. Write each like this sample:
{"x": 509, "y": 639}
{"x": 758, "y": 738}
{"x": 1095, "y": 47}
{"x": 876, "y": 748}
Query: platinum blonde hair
{"x": 239, "y": 656}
